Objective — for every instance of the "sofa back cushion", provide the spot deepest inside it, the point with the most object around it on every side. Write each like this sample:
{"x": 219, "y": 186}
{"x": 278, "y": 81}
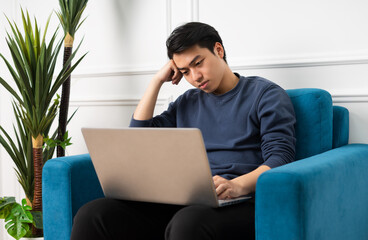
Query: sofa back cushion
{"x": 314, "y": 121}
{"x": 340, "y": 126}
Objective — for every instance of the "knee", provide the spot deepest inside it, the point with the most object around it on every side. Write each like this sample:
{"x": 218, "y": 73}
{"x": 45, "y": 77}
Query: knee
{"x": 95, "y": 220}
{"x": 84, "y": 211}
{"x": 193, "y": 222}
{"x": 94, "y": 212}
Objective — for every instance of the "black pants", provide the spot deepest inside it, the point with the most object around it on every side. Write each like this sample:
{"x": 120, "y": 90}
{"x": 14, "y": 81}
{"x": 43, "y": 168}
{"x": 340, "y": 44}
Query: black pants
{"x": 116, "y": 219}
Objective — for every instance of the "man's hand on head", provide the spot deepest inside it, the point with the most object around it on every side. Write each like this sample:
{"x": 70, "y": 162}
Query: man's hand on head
{"x": 169, "y": 73}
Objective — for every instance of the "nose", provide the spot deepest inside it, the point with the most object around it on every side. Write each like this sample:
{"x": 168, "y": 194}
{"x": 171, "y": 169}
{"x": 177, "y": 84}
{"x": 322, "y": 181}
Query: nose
{"x": 196, "y": 76}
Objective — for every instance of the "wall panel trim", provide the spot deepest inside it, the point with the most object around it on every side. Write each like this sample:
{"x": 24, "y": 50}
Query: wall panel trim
{"x": 168, "y": 17}
{"x": 243, "y": 64}
{"x": 124, "y": 101}
{"x": 312, "y": 61}
{"x": 350, "y": 98}
{"x": 114, "y": 101}
{"x": 195, "y": 10}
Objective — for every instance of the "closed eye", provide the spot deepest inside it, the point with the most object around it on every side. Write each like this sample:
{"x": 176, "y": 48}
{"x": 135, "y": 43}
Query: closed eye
{"x": 199, "y": 62}
{"x": 185, "y": 71}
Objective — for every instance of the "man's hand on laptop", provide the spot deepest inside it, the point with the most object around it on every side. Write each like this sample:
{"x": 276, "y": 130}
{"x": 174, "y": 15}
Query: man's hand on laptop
{"x": 228, "y": 189}
{"x": 240, "y": 186}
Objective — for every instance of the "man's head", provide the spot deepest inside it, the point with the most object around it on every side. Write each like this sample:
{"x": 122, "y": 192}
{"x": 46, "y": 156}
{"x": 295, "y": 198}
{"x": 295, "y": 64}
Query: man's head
{"x": 191, "y": 34}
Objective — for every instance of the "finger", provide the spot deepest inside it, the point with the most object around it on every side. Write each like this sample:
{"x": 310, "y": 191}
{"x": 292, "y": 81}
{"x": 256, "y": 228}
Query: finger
{"x": 216, "y": 177}
{"x": 225, "y": 190}
{"x": 176, "y": 76}
{"x": 175, "y": 73}
{"x": 215, "y": 180}
{"x": 228, "y": 194}
{"x": 166, "y": 72}
{"x": 176, "y": 81}
{"x": 221, "y": 189}
{"x": 218, "y": 180}
{"x": 225, "y": 195}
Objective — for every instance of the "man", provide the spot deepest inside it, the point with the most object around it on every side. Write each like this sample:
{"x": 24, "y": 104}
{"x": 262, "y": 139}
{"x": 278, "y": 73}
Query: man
{"x": 248, "y": 128}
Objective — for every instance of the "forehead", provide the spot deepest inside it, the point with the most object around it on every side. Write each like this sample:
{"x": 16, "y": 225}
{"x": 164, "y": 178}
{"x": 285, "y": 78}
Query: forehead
{"x": 185, "y": 57}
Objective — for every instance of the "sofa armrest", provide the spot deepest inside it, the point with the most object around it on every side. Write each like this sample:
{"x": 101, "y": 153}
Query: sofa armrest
{"x": 68, "y": 183}
{"x": 320, "y": 197}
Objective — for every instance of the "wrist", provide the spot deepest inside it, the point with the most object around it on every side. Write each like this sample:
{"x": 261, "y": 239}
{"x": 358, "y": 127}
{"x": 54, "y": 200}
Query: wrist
{"x": 157, "y": 81}
{"x": 244, "y": 184}
{"x": 247, "y": 182}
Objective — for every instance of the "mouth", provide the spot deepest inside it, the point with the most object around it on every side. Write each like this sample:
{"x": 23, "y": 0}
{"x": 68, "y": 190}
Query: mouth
{"x": 203, "y": 85}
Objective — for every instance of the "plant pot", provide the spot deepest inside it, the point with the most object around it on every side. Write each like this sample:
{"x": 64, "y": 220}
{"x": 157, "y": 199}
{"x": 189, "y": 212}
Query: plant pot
{"x": 36, "y": 238}
{"x": 8, "y": 237}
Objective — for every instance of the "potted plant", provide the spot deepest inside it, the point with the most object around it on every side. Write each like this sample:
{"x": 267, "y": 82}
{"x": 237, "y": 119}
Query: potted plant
{"x": 20, "y": 151}
{"x": 18, "y": 217}
{"x": 34, "y": 61}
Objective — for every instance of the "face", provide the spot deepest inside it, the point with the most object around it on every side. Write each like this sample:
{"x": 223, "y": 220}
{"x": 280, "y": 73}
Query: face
{"x": 202, "y": 68}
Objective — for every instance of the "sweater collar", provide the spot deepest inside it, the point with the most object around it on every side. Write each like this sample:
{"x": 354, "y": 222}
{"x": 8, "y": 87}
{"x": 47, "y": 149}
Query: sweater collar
{"x": 229, "y": 94}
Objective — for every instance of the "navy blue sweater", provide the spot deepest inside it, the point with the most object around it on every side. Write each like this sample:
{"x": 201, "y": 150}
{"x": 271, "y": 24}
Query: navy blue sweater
{"x": 251, "y": 125}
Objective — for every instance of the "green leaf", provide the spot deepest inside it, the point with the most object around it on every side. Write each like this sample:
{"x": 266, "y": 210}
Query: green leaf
{"x": 4, "y": 212}
{"x": 20, "y": 151}
{"x": 70, "y": 14}
{"x": 17, "y": 222}
{"x": 6, "y": 204}
{"x": 10, "y": 89}
{"x": 37, "y": 219}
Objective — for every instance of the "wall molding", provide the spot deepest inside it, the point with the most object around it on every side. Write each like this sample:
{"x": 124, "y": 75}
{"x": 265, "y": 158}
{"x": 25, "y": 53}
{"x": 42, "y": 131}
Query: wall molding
{"x": 91, "y": 73}
{"x": 242, "y": 64}
{"x": 194, "y": 10}
{"x": 304, "y": 61}
{"x": 122, "y": 101}
{"x": 115, "y": 101}
{"x": 349, "y": 98}
{"x": 168, "y": 17}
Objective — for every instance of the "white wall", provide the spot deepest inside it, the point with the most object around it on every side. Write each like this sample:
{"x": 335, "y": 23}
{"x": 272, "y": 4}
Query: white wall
{"x": 297, "y": 44}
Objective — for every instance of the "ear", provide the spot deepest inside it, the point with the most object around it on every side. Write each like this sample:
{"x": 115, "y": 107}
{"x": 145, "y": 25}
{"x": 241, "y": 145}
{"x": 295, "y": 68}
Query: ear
{"x": 219, "y": 50}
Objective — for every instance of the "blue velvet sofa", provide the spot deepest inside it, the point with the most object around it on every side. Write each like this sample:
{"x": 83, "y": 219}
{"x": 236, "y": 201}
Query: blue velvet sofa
{"x": 322, "y": 195}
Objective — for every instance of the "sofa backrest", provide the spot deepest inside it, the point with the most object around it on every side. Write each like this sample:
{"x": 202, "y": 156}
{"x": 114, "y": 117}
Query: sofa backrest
{"x": 314, "y": 122}
{"x": 340, "y": 126}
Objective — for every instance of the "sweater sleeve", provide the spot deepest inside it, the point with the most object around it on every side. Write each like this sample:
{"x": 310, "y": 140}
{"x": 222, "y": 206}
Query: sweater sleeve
{"x": 277, "y": 127}
{"x": 165, "y": 119}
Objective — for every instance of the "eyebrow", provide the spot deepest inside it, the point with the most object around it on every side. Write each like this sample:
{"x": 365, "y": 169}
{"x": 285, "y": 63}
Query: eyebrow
{"x": 192, "y": 62}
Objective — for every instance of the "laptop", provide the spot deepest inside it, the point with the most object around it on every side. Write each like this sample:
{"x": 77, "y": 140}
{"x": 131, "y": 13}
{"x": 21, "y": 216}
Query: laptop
{"x": 161, "y": 165}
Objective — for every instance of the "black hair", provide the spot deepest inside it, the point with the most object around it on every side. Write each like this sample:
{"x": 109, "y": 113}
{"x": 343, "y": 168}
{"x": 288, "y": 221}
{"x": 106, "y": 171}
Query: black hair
{"x": 190, "y": 34}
